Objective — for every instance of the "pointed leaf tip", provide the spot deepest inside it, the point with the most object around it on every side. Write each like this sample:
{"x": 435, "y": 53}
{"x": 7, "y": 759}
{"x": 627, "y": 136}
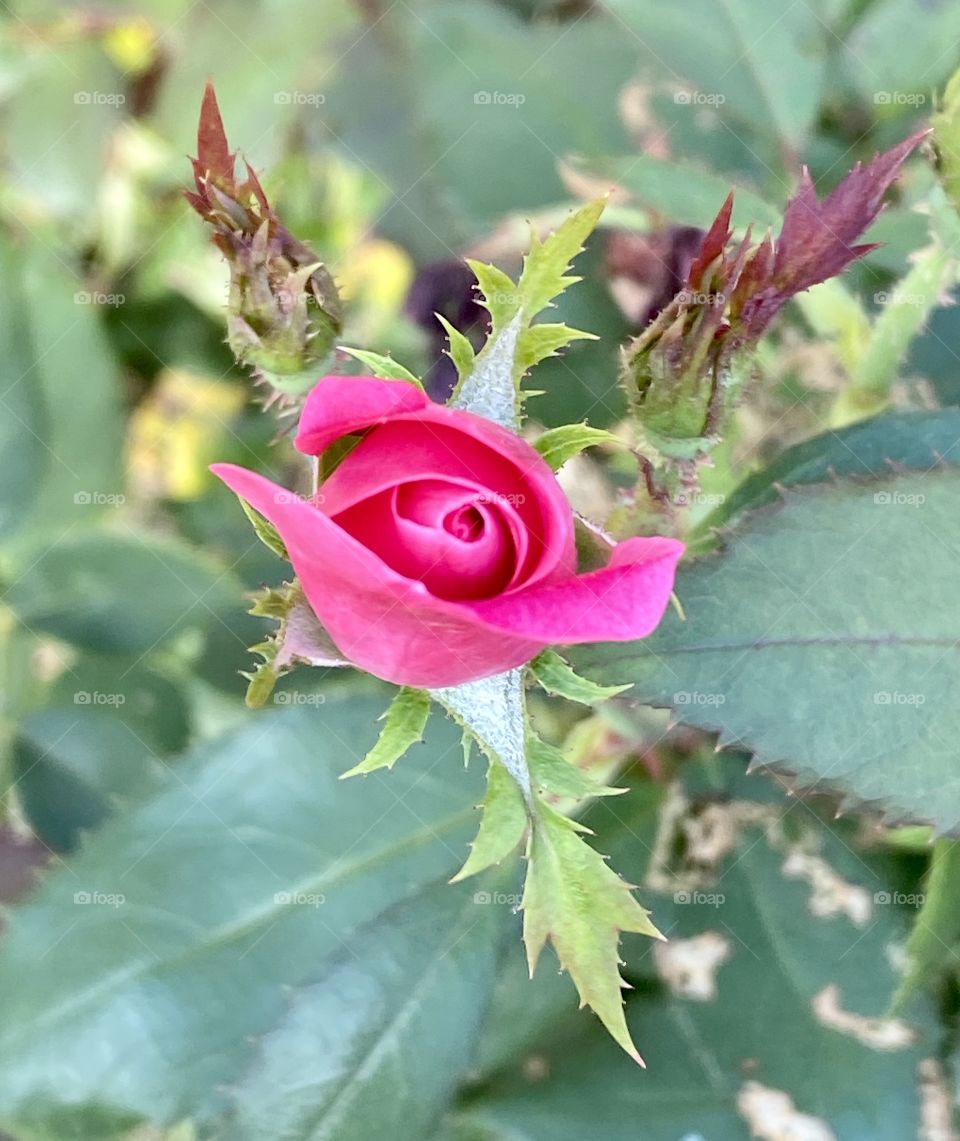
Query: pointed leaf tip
{"x": 404, "y": 723}
{"x": 213, "y": 152}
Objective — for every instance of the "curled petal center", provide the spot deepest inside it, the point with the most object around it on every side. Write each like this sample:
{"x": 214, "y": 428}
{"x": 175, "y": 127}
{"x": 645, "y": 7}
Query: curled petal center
{"x": 448, "y": 536}
{"x": 465, "y": 523}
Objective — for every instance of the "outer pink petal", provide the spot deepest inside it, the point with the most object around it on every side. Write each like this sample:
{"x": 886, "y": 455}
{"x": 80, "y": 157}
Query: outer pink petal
{"x": 394, "y": 628}
{"x": 384, "y": 623}
{"x": 625, "y": 600}
{"x": 339, "y": 405}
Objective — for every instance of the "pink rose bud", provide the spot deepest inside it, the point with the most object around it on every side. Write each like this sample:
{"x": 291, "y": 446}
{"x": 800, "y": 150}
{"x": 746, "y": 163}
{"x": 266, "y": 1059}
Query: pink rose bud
{"x": 441, "y": 549}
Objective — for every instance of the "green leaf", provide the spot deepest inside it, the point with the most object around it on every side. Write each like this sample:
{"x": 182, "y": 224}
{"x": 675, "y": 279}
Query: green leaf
{"x": 492, "y": 387}
{"x": 502, "y": 826}
{"x": 555, "y": 775}
{"x": 889, "y": 54}
{"x": 393, "y": 1017}
{"x": 686, "y": 194}
{"x": 49, "y": 420}
{"x": 756, "y": 65}
{"x": 404, "y": 724}
{"x": 101, "y": 740}
{"x": 122, "y": 593}
{"x": 505, "y": 77}
{"x": 557, "y": 445}
{"x": 559, "y": 678}
{"x": 572, "y": 898}
{"x": 544, "y": 340}
{"x": 247, "y": 873}
{"x": 23, "y": 423}
{"x": 932, "y": 949}
{"x": 786, "y": 652}
{"x": 916, "y": 441}
{"x": 460, "y": 350}
{"x": 382, "y": 366}
{"x": 784, "y": 908}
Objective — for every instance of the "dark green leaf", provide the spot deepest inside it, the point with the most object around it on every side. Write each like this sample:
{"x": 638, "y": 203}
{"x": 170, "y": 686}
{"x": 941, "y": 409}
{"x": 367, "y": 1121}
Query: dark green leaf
{"x": 377, "y": 1044}
{"x": 916, "y": 441}
{"x": 755, "y": 63}
{"x": 120, "y": 592}
{"x": 771, "y": 932}
{"x": 824, "y": 639}
{"x": 174, "y": 932}
{"x": 97, "y": 742}
{"x": 403, "y": 726}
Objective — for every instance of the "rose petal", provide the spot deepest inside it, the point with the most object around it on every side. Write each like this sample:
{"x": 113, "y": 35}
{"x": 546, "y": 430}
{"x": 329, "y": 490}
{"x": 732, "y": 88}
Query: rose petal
{"x": 340, "y": 405}
{"x": 384, "y": 623}
{"x": 625, "y": 600}
{"x": 430, "y": 439}
{"x": 413, "y": 528}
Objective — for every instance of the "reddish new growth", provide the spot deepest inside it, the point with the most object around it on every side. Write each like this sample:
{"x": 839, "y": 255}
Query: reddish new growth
{"x": 677, "y": 369}
{"x": 284, "y": 311}
{"x": 815, "y": 241}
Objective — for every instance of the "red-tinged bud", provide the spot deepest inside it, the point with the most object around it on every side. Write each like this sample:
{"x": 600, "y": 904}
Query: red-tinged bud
{"x": 680, "y": 372}
{"x": 284, "y": 312}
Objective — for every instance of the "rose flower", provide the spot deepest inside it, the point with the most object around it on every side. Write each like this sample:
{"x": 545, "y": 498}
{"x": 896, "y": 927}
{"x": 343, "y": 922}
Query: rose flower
{"x": 441, "y": 548}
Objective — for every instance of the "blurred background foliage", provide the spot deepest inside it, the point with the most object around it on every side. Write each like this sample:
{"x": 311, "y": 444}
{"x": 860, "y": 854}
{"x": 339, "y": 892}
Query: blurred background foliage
{"x": 396, "y": 138}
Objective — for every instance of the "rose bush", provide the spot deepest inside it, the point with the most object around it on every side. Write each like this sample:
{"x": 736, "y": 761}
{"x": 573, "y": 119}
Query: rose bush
{"x": 441, "y": 549}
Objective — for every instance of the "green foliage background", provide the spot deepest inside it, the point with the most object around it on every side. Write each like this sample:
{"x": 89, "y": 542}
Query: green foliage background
{"x": 217, "y": 939}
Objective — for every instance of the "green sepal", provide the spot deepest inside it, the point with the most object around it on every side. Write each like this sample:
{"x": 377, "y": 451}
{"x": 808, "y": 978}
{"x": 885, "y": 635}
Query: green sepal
{"x": 561, "y": 444}
{"x": 503, "y": 824}
{"x": 558, "y": 677}
{"x": 460, "y": 350}
{"x": 575, "y": 900}
{"x": 265, "y": 531}
{"x": 489, "y": 382}
{"x": 404, "y": 723}
{"x": 552, "y": 773}
{"x": 384, "y": 367}
{"x": 298, "y": 640}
